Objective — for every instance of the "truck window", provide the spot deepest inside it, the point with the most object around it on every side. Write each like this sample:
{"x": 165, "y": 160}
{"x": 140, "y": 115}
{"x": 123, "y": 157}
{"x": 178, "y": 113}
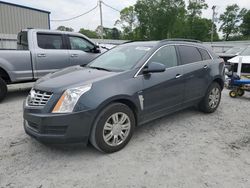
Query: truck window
{"x": 22, "y": 41}
{"x": 78, "y": 43}
{"x": 189, "y": 54}
{"x": 50, "y": 41}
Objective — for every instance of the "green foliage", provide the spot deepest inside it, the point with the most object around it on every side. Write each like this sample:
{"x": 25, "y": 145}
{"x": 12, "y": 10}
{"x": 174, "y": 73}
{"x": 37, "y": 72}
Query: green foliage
{"x": 88, "y": 33}
{"x": 63, "y": 28}
{"x": 245, "y": 26}
{"x": 231, "y": 20}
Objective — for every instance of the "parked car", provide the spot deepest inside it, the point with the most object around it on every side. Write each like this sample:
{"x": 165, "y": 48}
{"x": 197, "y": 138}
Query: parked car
{"x": 40, "y": 52}
{"x": 125, "y": 87}
{"x": 232, "y": 52}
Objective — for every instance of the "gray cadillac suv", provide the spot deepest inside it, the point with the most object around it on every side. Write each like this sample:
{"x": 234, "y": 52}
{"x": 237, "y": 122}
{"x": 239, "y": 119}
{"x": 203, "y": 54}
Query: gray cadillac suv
{"x": 127, "y": 86}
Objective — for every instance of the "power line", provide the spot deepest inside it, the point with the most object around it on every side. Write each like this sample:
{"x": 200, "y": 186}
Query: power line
{"x": 76, "y": 16}
{"x": 111, "y": 7}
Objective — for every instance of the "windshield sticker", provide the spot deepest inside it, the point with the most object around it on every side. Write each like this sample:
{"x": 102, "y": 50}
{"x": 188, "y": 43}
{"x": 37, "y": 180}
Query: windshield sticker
{"x": 143, "y": 48}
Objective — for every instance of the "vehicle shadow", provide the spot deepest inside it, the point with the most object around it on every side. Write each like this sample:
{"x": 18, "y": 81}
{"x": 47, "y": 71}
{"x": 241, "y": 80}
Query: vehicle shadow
{"x": 16, "y": 94}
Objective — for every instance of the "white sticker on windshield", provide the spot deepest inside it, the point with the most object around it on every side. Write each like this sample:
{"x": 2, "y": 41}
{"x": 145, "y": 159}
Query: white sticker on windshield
{"x": 143, "y": 48}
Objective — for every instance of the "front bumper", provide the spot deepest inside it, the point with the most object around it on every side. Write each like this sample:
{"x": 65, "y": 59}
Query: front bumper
{"x": 58, "y": 128}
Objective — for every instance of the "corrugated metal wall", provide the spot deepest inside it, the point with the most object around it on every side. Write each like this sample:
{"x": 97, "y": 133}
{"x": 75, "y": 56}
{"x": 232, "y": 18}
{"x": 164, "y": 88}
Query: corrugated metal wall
{"x": 13, "y": 18}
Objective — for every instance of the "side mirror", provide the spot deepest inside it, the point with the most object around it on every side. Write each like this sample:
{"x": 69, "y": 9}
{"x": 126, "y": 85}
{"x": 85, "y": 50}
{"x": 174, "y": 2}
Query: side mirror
{"x": 97, "y": 49}
{"x": 154, "y": 67}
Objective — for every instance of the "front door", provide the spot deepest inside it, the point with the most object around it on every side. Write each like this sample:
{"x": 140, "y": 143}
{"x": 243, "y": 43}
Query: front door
{"x": 81, "y": 51}
{"x": 163, "y": 92}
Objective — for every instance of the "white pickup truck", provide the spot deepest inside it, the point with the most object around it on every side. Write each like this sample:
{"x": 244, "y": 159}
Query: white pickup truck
{"x": 40, "y": 52}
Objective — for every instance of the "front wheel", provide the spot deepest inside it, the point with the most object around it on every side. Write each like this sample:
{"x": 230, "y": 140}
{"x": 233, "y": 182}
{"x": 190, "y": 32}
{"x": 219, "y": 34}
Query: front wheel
{"x": 212, "y": 98}
{"x": 113, "y": 128}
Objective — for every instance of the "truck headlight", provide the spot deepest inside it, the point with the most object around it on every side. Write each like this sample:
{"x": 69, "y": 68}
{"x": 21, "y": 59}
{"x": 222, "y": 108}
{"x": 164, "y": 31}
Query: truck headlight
{"x": 69, "y": 99}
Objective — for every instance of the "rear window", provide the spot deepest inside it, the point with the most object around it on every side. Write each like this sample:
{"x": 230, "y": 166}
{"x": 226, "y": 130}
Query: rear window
{"x": 189, "y": 54}
{"x": 22, "y": 41}
{"x": 204, "y": 54}
{"x": 50, "y": 41}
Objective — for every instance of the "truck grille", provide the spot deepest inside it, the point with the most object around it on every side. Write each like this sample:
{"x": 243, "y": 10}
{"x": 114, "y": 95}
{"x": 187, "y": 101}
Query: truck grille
{"x": 38, "y": 98}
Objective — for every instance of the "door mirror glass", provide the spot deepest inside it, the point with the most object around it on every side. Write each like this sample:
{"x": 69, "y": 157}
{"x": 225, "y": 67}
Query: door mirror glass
{"x": 154, "y": 67}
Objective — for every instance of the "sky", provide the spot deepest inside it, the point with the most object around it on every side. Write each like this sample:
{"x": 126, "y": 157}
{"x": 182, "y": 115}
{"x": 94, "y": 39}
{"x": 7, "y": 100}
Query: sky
{"x": 64, "y": 9}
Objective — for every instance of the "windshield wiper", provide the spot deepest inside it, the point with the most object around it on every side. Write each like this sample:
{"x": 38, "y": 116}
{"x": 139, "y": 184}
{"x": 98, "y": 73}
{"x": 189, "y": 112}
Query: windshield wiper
{"x": 99, "y": 68}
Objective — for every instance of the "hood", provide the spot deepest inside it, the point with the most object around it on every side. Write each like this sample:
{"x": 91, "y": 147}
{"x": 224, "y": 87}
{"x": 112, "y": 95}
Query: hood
{"x": 71, "y": 77}
{"x": 237, "y": 59}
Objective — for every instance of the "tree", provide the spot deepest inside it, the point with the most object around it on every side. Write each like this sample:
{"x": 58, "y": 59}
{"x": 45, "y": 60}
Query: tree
{"x": 108, "y": 33}
{"x": 245, "y": 26}
{"x": 194, "y": 10}
{"x": 63, "y": 28}
{"x": 231, "y": 20}
{"x": 88, "y": 33}
{"x": 157, "y": 18}
{"x": 128, "y": 22}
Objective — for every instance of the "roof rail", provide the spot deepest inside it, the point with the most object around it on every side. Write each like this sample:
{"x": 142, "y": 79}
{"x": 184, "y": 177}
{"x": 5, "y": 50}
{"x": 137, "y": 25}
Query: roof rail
{"x": 181, "y": 39}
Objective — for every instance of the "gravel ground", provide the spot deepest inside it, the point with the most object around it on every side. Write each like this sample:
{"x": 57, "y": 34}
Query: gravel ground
{"x": 186, "y": 149}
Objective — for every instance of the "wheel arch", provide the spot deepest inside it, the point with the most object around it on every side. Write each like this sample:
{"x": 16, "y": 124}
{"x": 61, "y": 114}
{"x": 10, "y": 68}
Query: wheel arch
{"x": 4, "y": 75}
{"x": 220, "y": 81}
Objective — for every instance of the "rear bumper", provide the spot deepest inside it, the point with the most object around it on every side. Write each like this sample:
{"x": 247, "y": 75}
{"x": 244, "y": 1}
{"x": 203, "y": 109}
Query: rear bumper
{"x": 58, "y": 128}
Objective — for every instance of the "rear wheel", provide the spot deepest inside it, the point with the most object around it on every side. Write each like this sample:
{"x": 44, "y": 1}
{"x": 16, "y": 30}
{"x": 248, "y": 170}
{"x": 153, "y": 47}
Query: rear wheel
{"x": 233, "y": 94}
{"x": 113, "y": 128}
{"x": 212, "y": 98}
{"x": 240, "y": 92}
{"x": 3, "y": 89}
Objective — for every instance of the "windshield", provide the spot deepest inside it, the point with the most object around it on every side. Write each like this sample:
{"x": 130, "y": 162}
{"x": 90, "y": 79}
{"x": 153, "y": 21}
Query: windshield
{"x": 234, "y": 50}
{"x": 120, "y": 58}
{"x": 246, "y": 52}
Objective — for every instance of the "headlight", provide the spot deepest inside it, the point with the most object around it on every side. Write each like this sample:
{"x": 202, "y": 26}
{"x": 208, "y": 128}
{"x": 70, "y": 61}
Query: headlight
{"x": 69, "y": 99}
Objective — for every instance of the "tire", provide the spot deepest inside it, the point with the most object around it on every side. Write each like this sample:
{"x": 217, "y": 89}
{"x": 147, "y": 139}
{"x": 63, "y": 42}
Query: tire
{"x": 240, "y": 92}
{"x": 212, "y": 99}
{"x": 233, "y": 94}
{"x": 106, "y": 127}
{"x": 3, "y": 89}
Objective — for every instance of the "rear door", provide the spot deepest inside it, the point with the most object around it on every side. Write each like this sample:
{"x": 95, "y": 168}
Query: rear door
{"x": 196, "y": 69}
{"x": 163, "y": 92}
{"x": 51, "y": 54}
{"x": 81, "y": 51}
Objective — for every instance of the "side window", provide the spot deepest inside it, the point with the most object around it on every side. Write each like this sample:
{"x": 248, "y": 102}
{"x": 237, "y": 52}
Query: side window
{"x": 189, "y": 54}
{"x": 22, "y": 41}
{"x": 78, "y": 43}
{"x": 204, "y": 54}
{"x": 49, "y": 41}
{"x": 166, "y": 55}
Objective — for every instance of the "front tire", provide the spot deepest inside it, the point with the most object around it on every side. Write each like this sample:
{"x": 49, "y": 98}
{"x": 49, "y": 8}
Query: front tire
{"x": 113, "y": 128}
{"x": 212, "y": 99}
{"x": 3, "y": 89}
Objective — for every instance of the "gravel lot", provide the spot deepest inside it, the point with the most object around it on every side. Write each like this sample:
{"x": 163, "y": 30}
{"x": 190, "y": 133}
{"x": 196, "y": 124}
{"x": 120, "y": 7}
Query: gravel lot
{"x": 186, "y": 149}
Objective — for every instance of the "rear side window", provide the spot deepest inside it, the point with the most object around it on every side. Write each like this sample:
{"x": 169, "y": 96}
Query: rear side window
{"x": 50, "y": 41}
{"x": 22, "y": 41}
{"x": 204, "y": 54}
{"x": 189, "y": 54}
{"x": 166, "y": 56}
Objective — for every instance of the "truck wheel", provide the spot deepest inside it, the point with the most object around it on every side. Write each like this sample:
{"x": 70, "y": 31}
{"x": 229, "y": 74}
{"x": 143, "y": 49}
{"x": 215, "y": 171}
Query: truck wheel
{"x": 233, "y": 94}
{"x": 113, "y": 128}
{"x": 3, "y": 89}
{"x": 240, "y": 92}
{"x": 212, "y": 98}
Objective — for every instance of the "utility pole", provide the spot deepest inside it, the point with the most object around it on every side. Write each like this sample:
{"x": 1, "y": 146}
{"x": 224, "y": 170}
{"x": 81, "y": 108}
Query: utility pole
{"x": 213, "y": 19}
{"x": 100, "y": 6}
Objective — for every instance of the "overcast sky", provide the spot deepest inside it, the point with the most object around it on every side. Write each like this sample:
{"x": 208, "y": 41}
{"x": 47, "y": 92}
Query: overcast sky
{"x": 63, "y": 9}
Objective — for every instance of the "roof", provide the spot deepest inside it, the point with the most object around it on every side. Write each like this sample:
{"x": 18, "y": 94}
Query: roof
{"x": 21, "y": 6}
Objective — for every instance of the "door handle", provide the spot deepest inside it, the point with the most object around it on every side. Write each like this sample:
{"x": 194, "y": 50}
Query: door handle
{"x": 74, "y": 55}
{"x": 205, "y": 67}
{"x": 41, "y": 55}
{"x": 178, "y": 76}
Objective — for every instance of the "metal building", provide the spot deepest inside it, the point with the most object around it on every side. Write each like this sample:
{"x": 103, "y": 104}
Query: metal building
{"x": 15, "y": 17}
